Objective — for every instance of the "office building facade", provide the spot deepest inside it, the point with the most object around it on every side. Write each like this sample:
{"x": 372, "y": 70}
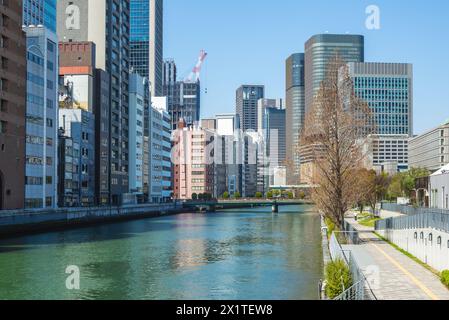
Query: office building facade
{"x": 40, "y": 12}
{"x": 227, "y": 128}
{"x": 294, "y": 113}
{"x": 247, "y": 97}
{"x": 430, "y": 150}
{"x": 106, "y": 23}
{"x": 320, "y": 50}
{"x": 41, "y": 118}
{"x": 388, "y": 90}
{"x": 193, "y": 164}
{"x": 83, "y": 86}
{"x": 136, "y": 133}
{"x": 184, "y": 102}
{"x": 160, "y": 152}
{"x": 12, "y": 105}
{"x": 382, "y": 150}
{"x": 146, "y": 41}
{"x": 68, "y": 171}
{"x": 79, "y": 125}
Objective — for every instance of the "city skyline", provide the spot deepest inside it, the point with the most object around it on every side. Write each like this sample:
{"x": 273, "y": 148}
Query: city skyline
{"x": 226, "y": 69}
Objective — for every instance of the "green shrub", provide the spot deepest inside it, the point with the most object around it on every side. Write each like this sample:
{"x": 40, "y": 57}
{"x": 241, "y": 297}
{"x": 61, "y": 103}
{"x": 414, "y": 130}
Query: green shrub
{"x": 269, "y": 194}
{"x": 445, "y": 278}
{"x": 226, "y": 195}
{"x": 259, "y": 195}
{"x": 194, "y": 196}
{"x": 330, "y": 226}
{"x": 237, "y": 195}
{"x": 338, "y": 278}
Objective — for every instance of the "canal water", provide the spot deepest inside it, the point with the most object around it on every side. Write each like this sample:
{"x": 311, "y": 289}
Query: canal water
{"x": 236, "y": 254}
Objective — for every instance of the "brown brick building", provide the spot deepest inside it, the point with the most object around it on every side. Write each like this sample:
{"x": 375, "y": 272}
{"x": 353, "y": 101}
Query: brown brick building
{"x": 12, "y": 105}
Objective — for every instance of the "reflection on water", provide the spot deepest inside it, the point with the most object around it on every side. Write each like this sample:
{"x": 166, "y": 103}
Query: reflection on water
{"x": 238, "y": 254}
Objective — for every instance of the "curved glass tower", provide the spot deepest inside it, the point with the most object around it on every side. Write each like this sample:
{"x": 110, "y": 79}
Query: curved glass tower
{"x": 295, "y": 112}
{"x": 320, "y": 49}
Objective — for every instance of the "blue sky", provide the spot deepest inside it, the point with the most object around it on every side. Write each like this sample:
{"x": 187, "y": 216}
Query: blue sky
{"x": 249, "y": 40}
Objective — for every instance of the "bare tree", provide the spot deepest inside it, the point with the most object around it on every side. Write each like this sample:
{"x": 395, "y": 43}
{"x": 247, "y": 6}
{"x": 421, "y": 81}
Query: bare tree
{"x": 335, "y": 130}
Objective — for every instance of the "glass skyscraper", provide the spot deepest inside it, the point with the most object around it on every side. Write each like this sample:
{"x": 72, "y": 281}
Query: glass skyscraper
{"x": 388, "y": 90}
{"x": 140, "y": 36}
{"x": 320, "y": 49}
{"x": 247, "y": 97}
{"x": 146, "y": 41}
{"x": 40, "y": 12}
{"x": 295, "y": 112}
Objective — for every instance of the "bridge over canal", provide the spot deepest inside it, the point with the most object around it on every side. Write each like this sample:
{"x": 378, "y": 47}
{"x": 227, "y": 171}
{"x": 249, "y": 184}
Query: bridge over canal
{"x": 214, "y": 205}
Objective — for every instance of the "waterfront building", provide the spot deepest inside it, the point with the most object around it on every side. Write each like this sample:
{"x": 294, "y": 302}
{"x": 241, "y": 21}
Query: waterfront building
{"x": 146, "y": 41}
{"x": 97, "y": 21}
{"x": 247, "y": 97}
{"x": 82, "y": 86}
{"x": 12, "y": 106}
{"x": 160, "y": 152}
{"x": 193, "y": 163}
{"x": 68, "y": 171}
{"x": 40, "y": 12}
{"x": 79, "y": 126}
{"x": 430, "y": 150}
{"x": 439, "y": 188}
{"x": 320, "y": 50}
{"x": 41, "y": 118}
{"x": 387, "y": 153}
{"x": 388, "y": 90}
{"x": 227, "y": 127}
{"x": 294, "y": 113}
{"x": 136, "y": 134}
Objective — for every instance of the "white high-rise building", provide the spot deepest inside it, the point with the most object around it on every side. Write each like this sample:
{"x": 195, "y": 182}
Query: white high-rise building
{"x": 136, "y": 132}
{"x": 160, "y": 151}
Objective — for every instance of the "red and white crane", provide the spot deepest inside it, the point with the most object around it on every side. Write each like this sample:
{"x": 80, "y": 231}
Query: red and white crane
{"x": 194, "y": 76}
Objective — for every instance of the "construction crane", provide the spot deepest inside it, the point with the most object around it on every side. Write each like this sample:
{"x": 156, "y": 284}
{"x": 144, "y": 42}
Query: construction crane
{"x": 194, "y": 75}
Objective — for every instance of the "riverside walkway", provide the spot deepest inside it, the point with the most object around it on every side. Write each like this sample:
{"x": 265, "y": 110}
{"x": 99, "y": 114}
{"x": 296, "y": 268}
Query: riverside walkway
{"x": 399, "y": 277}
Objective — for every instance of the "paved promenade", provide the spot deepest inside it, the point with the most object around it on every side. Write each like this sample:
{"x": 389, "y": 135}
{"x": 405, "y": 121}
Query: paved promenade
{"x": 400, "y": 278}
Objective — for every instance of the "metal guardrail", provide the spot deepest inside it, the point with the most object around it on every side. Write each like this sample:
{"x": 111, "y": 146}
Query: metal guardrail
{"x": 360, "y": 290}
{"x": 136, "y": 207}
{"x": 429, "y": 220}
{"x": 410, "y": 210}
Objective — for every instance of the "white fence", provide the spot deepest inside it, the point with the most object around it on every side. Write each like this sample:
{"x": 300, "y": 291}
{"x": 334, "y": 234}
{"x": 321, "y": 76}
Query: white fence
{"x": 424, "y": 235}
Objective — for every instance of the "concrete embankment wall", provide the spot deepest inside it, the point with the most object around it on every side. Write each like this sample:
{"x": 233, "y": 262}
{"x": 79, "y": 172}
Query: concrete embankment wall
{"x": 23, "y": 221}
{"x": 428, "y": 245}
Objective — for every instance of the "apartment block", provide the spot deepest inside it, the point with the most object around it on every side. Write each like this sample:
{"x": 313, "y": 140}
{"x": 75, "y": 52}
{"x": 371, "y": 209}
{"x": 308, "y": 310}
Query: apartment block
{"x": 13, "y": 84}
